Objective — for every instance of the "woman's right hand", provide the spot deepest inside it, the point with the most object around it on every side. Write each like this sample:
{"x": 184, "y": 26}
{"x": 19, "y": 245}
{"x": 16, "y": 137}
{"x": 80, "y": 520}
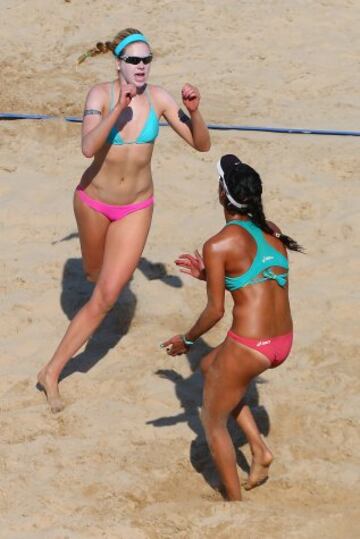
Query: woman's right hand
{"x": 192, "y": 265}
{"x": 127, "y": 92}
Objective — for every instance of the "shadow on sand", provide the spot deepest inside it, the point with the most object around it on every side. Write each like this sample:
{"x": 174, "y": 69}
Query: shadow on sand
{"x": 189, "y": 393}
{"x": 76, "y": 291}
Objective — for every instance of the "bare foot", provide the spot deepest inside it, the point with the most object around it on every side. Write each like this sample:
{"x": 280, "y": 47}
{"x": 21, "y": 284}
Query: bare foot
{"x": 51, "y": 391}
{"x": 259, "y": 470}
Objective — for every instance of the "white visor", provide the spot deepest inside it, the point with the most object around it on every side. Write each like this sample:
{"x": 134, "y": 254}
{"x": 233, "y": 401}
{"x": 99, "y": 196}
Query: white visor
{"x": 223, "y": 183}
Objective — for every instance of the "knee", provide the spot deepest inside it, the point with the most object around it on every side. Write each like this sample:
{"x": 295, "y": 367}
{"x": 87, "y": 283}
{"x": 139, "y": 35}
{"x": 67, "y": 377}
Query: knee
{"x": 211, "y": 424}
{"x": 103, "y": 299}
{"x": 92, "y": 274}
{"x": 92, "y": 277}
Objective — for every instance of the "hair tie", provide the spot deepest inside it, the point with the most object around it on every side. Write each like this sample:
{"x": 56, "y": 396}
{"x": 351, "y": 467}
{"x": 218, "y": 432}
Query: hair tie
{"x": 83, "y": 57}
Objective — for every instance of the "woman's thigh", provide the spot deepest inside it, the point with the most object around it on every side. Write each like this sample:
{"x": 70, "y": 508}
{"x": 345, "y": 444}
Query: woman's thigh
{"x": 228, "y": 377}
{"x": 92, "y": 227}
{"x": 209, "y": 359}
{"x": 124, "y": 243}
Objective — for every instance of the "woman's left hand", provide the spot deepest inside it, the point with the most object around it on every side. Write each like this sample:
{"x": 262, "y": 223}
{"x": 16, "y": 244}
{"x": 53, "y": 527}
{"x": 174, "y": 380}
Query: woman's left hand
{"x": 191, "y": 97}
{"x": 175, "y": 346}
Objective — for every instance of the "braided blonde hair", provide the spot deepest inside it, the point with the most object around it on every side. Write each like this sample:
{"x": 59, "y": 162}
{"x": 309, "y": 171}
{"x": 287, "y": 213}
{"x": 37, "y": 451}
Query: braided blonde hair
{"x": 102, "y": 48}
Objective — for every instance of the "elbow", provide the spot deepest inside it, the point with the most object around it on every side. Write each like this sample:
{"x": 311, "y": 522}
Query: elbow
{"x": 207, "y": 145}
{"x": 87, "y": 152}
{"x": 87, "y": 147}
{"x": 204, "y": 147}
{"x": 217, "y": 313}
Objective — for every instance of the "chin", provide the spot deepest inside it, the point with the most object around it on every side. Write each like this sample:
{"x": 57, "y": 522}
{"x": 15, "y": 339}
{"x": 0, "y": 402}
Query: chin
{"x": 140, "y": 83}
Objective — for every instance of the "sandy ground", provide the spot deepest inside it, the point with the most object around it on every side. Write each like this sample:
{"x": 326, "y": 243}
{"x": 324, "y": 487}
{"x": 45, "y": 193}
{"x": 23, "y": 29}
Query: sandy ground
{"x": 127, "y": 458}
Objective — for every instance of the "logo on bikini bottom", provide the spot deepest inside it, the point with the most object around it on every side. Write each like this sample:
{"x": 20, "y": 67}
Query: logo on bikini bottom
{"x": 263, "y": 343}
{"x": 266, "y": 258}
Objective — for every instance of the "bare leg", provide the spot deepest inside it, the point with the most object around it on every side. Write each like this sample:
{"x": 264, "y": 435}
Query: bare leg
{"x": 226, "y": 382}
{"x": 261, "y": 454}
{"x": 92, "y": 227}
{"x": 125, "y": 240}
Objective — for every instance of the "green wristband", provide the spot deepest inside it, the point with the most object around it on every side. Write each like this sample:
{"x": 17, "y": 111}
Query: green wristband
{"x": 186, "y": 341}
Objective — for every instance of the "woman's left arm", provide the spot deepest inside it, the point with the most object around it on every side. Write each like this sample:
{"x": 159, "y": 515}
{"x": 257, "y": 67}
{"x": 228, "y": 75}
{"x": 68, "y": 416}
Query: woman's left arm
{"x": 191, "y": 128}
{"x": 214, "y": 310}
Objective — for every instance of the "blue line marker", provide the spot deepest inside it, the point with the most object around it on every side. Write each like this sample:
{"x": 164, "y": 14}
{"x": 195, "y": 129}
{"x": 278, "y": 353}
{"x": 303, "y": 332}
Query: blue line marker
{"x": 219, "y": 127}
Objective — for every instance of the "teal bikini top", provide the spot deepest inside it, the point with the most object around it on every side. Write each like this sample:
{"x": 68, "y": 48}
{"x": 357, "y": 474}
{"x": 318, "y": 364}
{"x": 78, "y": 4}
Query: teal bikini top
{"x": 148, "y": 133}
{"x": 266, "y": 257}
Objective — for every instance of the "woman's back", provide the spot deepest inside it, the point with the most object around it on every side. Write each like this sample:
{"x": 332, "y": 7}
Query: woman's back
{"x": 256, "y": 273}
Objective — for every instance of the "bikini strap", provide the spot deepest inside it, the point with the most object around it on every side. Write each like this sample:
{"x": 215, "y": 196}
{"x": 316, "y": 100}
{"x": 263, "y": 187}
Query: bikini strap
{"x": 148, "y": 95}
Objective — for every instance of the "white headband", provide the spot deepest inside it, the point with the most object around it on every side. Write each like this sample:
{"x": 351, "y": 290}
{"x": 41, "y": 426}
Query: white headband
{"x": 228, "y": 196}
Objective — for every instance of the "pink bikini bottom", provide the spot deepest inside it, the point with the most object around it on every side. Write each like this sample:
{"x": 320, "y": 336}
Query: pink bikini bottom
{"x": 112, "y": 212}
{"x": 276, "y": 349}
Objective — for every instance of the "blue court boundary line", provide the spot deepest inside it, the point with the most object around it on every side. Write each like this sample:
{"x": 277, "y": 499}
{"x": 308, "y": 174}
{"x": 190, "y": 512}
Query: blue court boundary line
{"x": 220, "y": 127}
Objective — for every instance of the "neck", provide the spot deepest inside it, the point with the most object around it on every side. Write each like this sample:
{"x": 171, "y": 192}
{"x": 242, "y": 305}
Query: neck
{"x": 235, "y": 216}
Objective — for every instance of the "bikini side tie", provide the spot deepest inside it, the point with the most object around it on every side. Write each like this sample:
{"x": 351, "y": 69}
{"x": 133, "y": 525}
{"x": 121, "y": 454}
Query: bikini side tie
{"x": 281, "y": 278}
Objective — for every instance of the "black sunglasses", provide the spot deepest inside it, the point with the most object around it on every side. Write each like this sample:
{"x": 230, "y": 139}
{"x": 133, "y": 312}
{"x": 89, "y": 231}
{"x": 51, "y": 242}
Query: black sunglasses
{"x": 135, "y": 60}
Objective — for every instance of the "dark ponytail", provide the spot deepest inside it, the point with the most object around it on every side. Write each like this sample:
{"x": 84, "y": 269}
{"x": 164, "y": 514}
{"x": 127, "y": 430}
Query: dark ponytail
{"x": 245, "y": 186}
{"x": 256, "y": 213}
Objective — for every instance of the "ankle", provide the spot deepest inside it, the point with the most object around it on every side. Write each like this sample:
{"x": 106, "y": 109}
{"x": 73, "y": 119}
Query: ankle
{"x": 48, "y": 374}
{"x": 261, "y": 450}
{"x": 234, "y": 496}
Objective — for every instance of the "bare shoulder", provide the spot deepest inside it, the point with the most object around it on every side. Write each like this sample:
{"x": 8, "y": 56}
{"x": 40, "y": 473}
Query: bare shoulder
{"x": 161, "y": 97}
{"x": 99, "y": 92}
{"x": 98, "y": 98}
{"x": 158, "y": 91}
{"x": 233, "y": 231}
{"x": 216, "y": 244}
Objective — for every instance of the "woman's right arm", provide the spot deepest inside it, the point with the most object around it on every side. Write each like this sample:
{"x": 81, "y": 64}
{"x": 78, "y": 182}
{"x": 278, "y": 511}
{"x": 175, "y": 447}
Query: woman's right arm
{"x": 215, "y": 277}
{"x": 96, "y": 126}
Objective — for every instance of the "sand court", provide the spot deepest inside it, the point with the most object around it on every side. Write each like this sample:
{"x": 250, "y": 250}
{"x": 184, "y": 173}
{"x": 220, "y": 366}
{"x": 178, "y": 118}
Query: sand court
{"x": 127, "y": 458}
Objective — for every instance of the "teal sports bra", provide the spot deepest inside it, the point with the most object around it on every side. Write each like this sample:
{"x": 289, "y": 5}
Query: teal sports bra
{"x": 148, "y": 133}
{"x": 266, "y": 257}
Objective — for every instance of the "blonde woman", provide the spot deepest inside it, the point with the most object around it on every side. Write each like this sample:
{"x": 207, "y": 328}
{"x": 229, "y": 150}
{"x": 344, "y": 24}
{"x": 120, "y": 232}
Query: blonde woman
{"x": 113, "y": 202}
